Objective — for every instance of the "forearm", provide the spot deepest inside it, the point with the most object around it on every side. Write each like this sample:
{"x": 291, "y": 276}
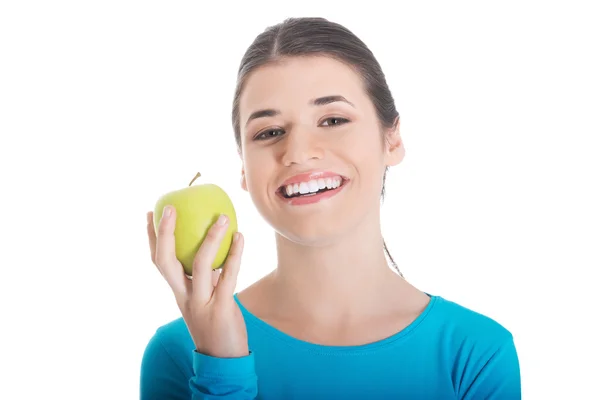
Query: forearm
{"x": 223, "y": 378}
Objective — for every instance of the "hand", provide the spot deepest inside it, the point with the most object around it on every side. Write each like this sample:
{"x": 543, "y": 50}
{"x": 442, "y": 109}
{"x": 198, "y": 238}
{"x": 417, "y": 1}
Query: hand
{"x": 206, "y": 301}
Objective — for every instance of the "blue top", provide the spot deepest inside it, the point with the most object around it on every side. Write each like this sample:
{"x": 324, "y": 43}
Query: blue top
{"x": 448, "y": 352}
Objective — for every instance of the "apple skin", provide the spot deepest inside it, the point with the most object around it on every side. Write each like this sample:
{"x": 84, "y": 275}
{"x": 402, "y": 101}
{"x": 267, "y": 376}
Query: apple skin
{"x": 197, "y": 208}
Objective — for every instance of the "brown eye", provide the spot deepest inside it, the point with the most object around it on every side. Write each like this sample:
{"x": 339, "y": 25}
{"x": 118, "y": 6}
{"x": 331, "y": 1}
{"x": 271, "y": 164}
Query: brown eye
{"x": 269, "y": 134}
{"x": 333, "y": 121}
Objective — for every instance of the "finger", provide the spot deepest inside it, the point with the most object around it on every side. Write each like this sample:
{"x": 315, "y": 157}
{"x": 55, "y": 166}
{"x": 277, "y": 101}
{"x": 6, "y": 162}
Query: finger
{"x": 202, "y": 268}
{"x": 231, "y": 269}
{"x": 166, "y": 258}
{"x": 151, "y": 235}
{"x": 215, "y": 277}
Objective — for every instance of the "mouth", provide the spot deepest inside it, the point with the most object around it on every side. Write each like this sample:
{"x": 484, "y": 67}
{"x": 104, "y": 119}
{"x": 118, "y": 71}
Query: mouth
{"x": 307, "y": 191}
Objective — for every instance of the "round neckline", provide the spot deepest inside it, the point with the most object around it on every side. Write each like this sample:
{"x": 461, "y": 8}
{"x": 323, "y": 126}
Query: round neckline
{"x": 300, "y": 344}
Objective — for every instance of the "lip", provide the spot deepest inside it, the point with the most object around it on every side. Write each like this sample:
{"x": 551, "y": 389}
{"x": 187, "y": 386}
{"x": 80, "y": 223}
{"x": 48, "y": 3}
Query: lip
{"x": 305, "y": 177}
{"x": 309, "y": 176}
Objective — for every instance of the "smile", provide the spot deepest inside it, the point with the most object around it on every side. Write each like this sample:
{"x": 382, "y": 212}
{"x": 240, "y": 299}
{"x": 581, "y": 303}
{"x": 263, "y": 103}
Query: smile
{"x": 311, "y": 188}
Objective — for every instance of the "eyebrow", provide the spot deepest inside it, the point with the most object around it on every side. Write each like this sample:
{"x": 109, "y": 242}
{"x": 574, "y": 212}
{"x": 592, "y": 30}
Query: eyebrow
{"x": 320, "y": 101}
{"x": 262, "y": 114}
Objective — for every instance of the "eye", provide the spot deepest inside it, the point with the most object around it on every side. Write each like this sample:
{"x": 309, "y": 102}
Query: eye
{"x": 269, "y": 134}
{"x": 333, "y": 121}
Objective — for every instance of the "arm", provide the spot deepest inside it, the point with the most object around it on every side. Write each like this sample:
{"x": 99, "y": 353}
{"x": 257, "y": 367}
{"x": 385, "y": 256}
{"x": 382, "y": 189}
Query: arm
{"x": 177, "y": 364}
{"x": 499, "y": 378}
{"x": 163, "y": 377}
{"x": 223, "y": 378}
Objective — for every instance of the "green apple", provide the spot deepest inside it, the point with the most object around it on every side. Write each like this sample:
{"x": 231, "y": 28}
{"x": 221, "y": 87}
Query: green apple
{"x": 197, "y": 208}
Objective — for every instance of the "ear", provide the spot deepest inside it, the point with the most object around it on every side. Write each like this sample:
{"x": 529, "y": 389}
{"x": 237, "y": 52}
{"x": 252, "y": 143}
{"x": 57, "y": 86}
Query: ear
{"x": 394, "y": 147}
{"x": 243, "y": 180}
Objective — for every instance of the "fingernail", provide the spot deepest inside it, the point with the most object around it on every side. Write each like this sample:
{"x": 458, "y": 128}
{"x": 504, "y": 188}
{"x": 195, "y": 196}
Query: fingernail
{"x": 222, "y": 220}
{"x": 166, "y": 212}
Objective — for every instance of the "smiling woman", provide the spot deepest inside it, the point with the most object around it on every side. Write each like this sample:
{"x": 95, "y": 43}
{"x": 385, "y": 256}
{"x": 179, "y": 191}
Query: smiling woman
{"x": 317, "y": 129}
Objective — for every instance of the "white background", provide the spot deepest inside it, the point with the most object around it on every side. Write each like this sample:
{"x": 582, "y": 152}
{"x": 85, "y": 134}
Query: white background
{"x": 104, "y": 106}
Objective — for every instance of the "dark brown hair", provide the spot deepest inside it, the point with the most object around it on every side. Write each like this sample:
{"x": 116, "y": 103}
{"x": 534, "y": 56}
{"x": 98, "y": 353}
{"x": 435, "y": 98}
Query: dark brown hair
{"x": 296, "y": 37}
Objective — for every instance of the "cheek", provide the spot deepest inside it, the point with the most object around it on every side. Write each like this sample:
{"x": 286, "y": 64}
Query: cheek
{"x": 257, "y": 167}
{"x": 365, "y": 152}
{"x": 362, "y": 146}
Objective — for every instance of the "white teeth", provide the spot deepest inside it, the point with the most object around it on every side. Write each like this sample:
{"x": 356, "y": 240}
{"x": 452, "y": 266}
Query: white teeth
{"x": 313, "y": 186}
{"x": 303, "y": 188}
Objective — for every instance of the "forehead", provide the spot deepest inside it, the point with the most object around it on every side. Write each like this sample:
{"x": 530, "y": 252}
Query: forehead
{"x": 293, "y": 82}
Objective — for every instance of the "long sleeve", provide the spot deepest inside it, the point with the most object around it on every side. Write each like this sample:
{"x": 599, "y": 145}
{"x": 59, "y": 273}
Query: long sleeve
{"x": 499, "y": 378}
{"x": 166, "y": 375}
{"x": 223, "y": 378}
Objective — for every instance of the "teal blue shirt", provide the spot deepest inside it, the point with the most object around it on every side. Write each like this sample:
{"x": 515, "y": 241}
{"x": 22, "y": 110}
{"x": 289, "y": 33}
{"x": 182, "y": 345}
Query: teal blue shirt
{"x": 448, "y": 352}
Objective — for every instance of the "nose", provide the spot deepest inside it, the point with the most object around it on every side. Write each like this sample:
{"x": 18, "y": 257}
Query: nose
{"x": 299, "y": 147}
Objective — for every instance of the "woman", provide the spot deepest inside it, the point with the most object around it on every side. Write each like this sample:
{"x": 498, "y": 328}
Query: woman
{"x": 317, "y": 128}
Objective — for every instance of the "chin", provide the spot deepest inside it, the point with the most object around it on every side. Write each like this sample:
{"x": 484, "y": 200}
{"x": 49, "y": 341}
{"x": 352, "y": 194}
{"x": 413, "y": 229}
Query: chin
{"x": 316, "y": 220}
{"x": 320, "y": 227}
{"x": 311, "y": 233}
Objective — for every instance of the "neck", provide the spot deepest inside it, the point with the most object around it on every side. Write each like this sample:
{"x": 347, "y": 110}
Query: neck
{"x": 342, "y": 280}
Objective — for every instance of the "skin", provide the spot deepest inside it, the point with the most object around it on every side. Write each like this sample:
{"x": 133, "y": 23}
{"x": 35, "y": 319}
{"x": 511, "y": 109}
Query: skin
{"x": 332, "y": 275}
{"x": 331, "y": 272}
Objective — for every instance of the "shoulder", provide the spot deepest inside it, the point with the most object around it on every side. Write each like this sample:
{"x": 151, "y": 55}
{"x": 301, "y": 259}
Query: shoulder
{"x": 480, "y": 351}
{"x": 172, "y": 338}
{"x": 173, "y": 334}
{"x": 465, "y": 322}
{"x": 466, "y": 333}
{"x": 168, "y": 352}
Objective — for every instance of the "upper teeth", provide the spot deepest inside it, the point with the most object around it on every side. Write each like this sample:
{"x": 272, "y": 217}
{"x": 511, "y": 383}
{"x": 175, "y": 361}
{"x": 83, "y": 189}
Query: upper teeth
{"x": 313, "y": 185}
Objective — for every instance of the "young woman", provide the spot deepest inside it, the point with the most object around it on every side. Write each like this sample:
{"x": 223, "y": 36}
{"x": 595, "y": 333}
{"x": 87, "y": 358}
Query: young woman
{"x": 317, "y": 129}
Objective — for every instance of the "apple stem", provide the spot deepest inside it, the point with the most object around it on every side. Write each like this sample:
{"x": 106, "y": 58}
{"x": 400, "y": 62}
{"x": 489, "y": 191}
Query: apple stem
{"x": 196, "y": 177}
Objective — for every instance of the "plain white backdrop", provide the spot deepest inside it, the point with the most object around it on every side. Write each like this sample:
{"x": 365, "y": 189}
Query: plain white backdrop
{"x": 104, "y": 106}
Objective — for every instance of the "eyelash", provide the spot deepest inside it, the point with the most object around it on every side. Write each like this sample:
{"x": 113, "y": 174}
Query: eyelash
{"x": 262, "y": 135}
